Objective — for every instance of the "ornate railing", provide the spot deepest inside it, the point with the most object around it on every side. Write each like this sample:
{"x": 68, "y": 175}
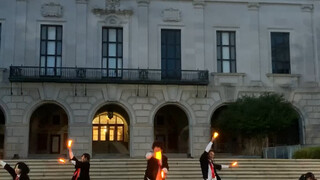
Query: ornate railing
{"x": 100, "y": 75}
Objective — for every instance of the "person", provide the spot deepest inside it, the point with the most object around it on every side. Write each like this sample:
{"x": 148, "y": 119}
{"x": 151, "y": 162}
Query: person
{"x": 307, "y": 176}
{"x": 208, "y": 167}
{"x": 20, "y": 171}
{"x": 82, "y": 167}
{"x": 155, "y": 166}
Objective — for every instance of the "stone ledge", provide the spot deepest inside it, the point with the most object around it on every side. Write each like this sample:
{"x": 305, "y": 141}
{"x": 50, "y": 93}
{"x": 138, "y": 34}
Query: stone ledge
{"x": 284, "y": 80}
{"x": 228, "y": 79}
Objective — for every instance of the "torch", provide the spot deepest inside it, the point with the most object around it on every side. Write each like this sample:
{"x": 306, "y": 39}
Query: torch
{"x": 61, "y": 160}
{"x": 158, "y": 155}
{"x": 234, "y": 164}
{"x": 69, "y": 143}
{"x": 215, "y": 134}
{"x": 162, "y": 174}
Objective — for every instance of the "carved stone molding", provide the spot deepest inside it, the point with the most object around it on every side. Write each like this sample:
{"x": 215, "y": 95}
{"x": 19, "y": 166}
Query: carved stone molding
{"x": 253, "y": 6}
{"x": 113, "y": 20}
{"x": 112, "y": 4}
{"x": 171, "y": 15}
{"x": 198, "y": 4}
{"x": 112, "y": 7}
{"x": 307, "y": 7}
{"x": 82, "y": 1}
{"x": 52, "y": 10}
{"x": 143, "y": 2}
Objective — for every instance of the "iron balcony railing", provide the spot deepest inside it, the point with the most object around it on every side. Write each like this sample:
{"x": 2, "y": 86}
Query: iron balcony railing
{"x": 101, "y": 75}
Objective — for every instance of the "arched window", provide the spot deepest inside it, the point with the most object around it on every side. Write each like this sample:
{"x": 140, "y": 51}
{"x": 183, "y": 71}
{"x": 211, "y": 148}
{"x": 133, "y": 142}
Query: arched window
{"x": 108, "y": 126}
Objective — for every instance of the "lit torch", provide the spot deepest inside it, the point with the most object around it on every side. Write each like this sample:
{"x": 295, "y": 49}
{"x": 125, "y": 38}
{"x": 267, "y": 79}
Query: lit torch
{"x": 61, "y": 160}
{"x": 215, "y": 134}
{"x": 69, "y": 143}
{"x": 158, "y": 155}
{"x": 234, "y": 164}
{"x": 162, "y": 174}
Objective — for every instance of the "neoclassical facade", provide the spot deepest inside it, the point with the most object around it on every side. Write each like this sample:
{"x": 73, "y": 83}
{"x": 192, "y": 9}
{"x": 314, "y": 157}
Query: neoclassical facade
{"x": 115, "y": 75}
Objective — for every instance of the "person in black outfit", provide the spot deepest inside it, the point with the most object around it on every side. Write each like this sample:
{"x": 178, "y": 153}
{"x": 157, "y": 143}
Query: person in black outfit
{"x": 155, "y": 166}
{"x": 82, "y": 167}
{"x": 20, "y": 171}
{"x": 307, "y": 176}
{"x": 208, "y": 167}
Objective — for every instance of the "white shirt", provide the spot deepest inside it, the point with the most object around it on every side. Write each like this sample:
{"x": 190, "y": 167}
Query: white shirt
{"x": 209, "y": 169}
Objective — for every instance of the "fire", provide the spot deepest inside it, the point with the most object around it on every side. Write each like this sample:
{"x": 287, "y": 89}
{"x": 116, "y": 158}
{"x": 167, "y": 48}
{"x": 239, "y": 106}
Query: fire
{"x": 215, "y": 134}
{"x": 158, "y": 155}
{"x": 162, "y": 174}
{"x": 61, "y": 160}
{"x": 234, "y": 164}
{"x": 69, "y": 143}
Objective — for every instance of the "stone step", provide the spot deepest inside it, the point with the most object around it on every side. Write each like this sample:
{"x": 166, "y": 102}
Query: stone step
{"x": 180, "y": 169}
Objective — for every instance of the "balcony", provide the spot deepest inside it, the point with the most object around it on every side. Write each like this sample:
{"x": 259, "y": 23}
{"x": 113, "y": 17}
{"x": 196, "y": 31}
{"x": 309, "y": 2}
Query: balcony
{"x": 115, "y": 76}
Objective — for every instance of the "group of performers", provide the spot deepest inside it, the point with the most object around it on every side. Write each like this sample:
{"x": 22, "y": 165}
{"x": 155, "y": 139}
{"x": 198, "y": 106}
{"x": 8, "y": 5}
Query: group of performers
{"x": 157, "y": 165}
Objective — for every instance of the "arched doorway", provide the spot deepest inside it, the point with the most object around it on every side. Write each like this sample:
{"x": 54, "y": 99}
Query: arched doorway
{"x": 48, "y": 131}
{"x": 234, "y": 143}
{"x": 110, "y": 131}
{"x": 2, "y": 132}
{"x": 172, "y": 128}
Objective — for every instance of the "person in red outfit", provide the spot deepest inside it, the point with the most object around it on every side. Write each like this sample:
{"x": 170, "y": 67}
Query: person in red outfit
{"x": 20, "y": 171}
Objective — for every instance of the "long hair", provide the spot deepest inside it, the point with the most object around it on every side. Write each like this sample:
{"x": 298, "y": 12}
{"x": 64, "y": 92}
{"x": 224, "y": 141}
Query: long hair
{"x": 23, "y": 167}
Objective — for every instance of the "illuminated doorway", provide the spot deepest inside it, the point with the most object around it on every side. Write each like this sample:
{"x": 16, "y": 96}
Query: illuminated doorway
{"x": 172, "y": 128}
{"x": 110, "y": 132}
{"x": 48, "y": 131}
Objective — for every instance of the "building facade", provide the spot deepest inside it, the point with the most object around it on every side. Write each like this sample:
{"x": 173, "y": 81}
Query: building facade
{"x": 115, "y": 75}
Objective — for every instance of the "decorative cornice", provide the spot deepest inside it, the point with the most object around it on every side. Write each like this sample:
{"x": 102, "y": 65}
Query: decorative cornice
{"x": 112, "y": 4}
{"x": 101, "y": 12}
{"x": 82, "y": 1}
{"x": 52, "y": 10}
{"x": 143, "y": 3}
{"x": 253, "y": 5}
{"x": 307, "y": 7}
{"x": 171, "y": 15}
{"x": 199, "y": 4}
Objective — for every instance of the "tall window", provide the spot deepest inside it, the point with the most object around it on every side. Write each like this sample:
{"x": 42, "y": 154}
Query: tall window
{"x": 226, "y": 51}
{"x": 112, "y": 45}
{"x": 171, "y": 53}
{"x": 108, "y": 128}
{"x": 51, "y": 50}
{"x": 280, "y": 50}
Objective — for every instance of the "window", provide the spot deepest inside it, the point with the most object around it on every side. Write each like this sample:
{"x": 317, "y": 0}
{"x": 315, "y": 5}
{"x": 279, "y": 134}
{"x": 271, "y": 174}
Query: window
{"x": 170, "y": 53}
{"x": 50, "y": 50}
{"x": 280, "y": 52}
{"x": 105, "y": 128}
{"x": 0, "y": 35}
{"x": 112, "y": 45}
{"x": 226, "y": 51}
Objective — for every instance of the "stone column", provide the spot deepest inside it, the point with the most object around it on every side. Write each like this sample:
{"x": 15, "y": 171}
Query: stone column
{"x": 81, "y": 30}
{"x": 143, "y": 34}
{"x": 20, "y": 32}
{"x": 199, "y": 33}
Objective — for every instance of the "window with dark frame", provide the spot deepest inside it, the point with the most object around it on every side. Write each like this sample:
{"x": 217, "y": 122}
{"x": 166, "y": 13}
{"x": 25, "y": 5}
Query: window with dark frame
{"x": 0, "y": 35}
{"x": 50, "y": 50}
{"x": 280, "y": 52}
{"x": 226, "y": 51}
{"x": 112, "y": 52}
{"x": 171, "y": 54}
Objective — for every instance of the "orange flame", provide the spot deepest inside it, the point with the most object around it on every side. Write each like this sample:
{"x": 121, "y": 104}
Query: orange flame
{"x": 158, "y": 155}
{"x": 162, "y": 174}
{"x": 215, "y": 134}
{"x": 61, "y": 160}
{"x": 69, "y": 143}
{"x": 234, "y": 164}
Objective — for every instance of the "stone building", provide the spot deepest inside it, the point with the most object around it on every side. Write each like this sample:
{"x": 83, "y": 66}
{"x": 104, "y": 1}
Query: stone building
{"x": 115, "y": 75}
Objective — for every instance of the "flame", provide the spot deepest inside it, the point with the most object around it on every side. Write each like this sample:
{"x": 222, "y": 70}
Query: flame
{"x": 61, "y": 160}
{"x": 158, "y": 155}
{"x": 234, "y": 164}
{"x": 162, "y": 174}
{"x": 215, "y": 134}
{"x": 69, "y": 143}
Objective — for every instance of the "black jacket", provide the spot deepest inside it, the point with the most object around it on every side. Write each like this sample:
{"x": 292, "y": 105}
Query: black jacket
{"x": 13, "y": 173}
{"x": 204, "y": 163}
{"x": 152, "y": 167}
{"x": 82, "y": 170}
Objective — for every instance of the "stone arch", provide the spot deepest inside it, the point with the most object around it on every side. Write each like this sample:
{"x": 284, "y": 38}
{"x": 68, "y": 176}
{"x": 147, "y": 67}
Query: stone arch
{"x": 48, "y": 130}
{"x": 107, "y": 129}
{"x": 169, "y": 129}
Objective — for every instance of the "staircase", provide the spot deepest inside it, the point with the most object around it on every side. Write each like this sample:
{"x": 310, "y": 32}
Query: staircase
{"x": 180, "y": 169}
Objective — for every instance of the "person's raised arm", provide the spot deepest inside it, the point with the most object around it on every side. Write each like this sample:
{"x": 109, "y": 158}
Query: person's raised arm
{"x": 210, "y": 144}
{"x": 2, "y": 163}
{"x": 70, "y": 153}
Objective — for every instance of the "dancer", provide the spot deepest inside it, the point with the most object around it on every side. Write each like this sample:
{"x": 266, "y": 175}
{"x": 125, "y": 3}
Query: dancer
{"x": 20, "y": 171}
{"x": 157, "y": 166}
{"x": 208, "y": 167}
{"x": 82, "y": 167}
